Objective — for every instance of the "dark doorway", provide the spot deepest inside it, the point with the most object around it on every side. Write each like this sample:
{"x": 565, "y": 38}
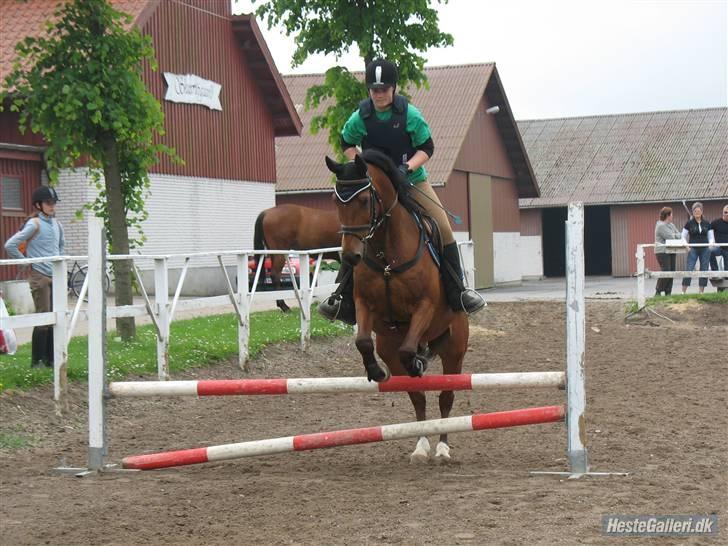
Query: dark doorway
{"x": 554, "y": 242}
{"x": 597, "y": 241}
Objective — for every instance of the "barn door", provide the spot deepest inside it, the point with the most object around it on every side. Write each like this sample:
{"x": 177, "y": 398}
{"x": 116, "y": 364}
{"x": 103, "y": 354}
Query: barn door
{"x": 481, "y": 228}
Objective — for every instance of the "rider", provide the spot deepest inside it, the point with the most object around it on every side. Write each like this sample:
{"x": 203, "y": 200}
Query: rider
{"x": 387, "y": 122}
{"x": 43, "y": 236}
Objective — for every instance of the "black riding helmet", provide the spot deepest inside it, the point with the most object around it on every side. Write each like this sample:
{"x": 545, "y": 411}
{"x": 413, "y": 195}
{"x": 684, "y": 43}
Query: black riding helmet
{"x": 381, "y": 73}
{"x": 45, "y": 193}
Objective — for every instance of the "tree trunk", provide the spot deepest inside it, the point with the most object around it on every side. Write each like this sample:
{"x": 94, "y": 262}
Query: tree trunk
{"x": 119, "y": 237}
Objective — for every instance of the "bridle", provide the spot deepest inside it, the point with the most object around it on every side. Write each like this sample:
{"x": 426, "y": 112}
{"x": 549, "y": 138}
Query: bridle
{"x": 375, "y": 220}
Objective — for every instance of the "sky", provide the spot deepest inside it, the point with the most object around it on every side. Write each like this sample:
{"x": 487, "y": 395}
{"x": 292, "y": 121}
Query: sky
{"x": 563, "y": 58}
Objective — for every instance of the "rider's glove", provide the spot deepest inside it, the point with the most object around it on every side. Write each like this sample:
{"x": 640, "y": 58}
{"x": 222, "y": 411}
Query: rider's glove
{"x": 404, "y": 169}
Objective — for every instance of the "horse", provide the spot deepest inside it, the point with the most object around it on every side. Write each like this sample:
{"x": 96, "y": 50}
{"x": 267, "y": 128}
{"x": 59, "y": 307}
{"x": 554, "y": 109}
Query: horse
{"x": 398, "y": 291}
{"x": 293, "y": 227}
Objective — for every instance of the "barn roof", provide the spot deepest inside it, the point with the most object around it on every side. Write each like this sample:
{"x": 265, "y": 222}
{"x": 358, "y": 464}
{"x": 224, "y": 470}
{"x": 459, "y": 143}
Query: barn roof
{"x": 22, "y": 19}
{"x": 625, "y": 158}
{"x": 449, "y": 106}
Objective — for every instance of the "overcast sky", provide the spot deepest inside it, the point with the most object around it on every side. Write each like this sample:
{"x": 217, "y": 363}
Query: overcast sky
{"x": 560, "y": 58}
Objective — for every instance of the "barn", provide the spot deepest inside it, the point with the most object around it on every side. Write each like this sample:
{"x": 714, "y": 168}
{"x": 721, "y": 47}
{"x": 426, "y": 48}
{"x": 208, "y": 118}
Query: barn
{"x": 480, "y": 167}
{"x": 624, "y": 168}
{"x": 211, "y": 201}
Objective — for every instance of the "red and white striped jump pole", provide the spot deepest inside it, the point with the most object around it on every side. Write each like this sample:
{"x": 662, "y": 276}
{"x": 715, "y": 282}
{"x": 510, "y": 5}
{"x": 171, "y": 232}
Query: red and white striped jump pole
{"x": 228, "y": 387}
{"x": 322, "y": 440}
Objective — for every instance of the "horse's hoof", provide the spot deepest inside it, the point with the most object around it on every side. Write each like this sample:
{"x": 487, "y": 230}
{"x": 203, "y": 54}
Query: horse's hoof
{"x": 417, "y": 367}
{"x": 421, "y": 454}
{"x": 442, "y": 453}
{"x": 283, "y": 306}
{"x": 378, "y": 372}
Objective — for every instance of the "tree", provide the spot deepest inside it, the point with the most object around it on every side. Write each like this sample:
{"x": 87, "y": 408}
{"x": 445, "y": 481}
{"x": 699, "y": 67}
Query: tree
{"x": 80, "y": 86}
{"x": 395, "y": 29}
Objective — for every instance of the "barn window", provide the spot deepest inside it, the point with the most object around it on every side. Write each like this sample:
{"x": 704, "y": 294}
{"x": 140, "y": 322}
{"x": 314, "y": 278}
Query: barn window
{"x": 12, "y": 193}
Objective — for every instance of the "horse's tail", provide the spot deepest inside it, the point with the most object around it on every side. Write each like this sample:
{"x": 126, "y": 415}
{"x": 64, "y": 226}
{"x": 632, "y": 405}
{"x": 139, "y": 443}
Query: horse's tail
{"x": 259, "y": 244}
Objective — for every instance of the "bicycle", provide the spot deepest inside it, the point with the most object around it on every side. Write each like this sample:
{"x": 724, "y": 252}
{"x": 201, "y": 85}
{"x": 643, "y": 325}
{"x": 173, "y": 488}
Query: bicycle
{"x": 77, "y": 275}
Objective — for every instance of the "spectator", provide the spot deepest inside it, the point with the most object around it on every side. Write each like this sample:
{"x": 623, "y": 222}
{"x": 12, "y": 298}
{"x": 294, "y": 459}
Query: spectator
{"x": 720, "y": 231}
{"x": 665, "y": 229}
{"x": 697, "y": 230}
{"x": 43, "y": 236}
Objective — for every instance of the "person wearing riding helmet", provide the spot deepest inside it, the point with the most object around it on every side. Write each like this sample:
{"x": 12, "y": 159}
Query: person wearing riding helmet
{"x": 389, "y": 123}
{"x": 43, "y": 236}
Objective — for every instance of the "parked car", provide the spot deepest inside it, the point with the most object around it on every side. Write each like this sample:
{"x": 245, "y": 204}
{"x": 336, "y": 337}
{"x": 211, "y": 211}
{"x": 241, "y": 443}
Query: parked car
{"x": 285, "y": 273}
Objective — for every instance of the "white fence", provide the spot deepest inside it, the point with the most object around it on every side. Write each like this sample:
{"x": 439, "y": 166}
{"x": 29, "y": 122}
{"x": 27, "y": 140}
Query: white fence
{"x": 644, "y": 273}
{"x": 162, "y": 310}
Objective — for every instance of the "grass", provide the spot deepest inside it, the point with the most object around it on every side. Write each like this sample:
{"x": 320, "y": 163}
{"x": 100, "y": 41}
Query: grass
{"x": 709, "y": 297}
{"x": 11, "y": 440}
{"x": 193, "y": 343}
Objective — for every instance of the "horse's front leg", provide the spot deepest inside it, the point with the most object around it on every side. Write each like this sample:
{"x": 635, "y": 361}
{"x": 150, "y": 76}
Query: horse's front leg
{"x": 419, "y": 323}
{"x": 376, "y": 371}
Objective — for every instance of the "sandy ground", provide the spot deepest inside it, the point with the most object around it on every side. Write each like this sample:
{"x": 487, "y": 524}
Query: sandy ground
{"x": 656, "y": 408}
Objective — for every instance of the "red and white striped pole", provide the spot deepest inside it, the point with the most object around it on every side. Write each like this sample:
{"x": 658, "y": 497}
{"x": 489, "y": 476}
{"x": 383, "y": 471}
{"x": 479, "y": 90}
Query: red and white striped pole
{"x": 322, "y": 440}
{"x": 228, "y": 387}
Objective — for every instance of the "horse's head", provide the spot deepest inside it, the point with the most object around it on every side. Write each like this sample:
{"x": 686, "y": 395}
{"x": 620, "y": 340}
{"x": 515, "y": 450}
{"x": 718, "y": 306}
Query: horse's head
{"x": 355, "y": 203}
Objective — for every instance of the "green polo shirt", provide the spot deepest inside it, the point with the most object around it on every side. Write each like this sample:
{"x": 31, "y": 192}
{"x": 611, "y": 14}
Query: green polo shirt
{"x": 354, "y": 132}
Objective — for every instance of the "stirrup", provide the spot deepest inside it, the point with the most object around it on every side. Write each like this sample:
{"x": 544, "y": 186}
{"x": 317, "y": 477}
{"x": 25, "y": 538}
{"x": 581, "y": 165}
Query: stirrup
{"x": 476, "y": 301}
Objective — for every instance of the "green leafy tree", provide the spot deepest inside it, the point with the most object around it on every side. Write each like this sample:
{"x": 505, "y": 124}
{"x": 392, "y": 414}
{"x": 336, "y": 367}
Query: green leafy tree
{"x": 399, "y": 30}
{"x": 80, "y": 86}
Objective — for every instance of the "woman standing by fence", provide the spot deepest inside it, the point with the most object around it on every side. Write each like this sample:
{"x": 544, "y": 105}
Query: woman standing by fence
{"x": 665, "y": 229}
{"x": 697, "y": 230}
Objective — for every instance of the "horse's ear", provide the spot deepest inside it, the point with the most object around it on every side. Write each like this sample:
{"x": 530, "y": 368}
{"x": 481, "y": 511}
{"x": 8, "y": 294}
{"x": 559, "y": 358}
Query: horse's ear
{"x": 360, "y": 164}
{"x": 333, "y": 166}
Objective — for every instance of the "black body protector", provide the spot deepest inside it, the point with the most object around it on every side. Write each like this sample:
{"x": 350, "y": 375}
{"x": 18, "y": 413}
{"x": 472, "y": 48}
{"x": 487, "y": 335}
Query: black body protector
{"x": 389, "y": 137}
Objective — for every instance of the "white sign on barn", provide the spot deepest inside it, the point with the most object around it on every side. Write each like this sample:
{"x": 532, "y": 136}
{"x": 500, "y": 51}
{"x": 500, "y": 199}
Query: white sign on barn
{"x": 191, "y": 89}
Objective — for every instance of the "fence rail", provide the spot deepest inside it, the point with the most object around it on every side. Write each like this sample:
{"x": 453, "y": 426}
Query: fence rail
{"x": 644, "y": 273}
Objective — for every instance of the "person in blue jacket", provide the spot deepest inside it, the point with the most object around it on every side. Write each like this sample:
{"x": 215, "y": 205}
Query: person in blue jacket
{"x": 43, "y": 236}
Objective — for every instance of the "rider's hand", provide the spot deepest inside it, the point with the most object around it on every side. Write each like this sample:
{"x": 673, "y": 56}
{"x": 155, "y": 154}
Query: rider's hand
{"x": 404, "y": 169}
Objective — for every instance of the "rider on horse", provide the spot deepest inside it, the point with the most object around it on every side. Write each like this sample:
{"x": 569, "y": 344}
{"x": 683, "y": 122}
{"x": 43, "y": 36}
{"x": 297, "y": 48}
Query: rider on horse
{"x": 387, "y": 122}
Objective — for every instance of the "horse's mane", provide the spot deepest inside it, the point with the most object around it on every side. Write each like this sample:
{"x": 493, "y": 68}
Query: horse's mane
{"x": 399, "y": 180}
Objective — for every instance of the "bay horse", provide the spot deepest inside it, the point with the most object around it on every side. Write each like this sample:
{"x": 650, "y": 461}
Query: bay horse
{"x": 398, "y": 291}
{"x": 293, "y": 227}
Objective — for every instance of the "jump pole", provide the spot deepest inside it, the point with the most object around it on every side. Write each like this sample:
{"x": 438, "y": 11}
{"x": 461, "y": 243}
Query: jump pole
{"x": 315, "y": 385}
{"x": 306, "y": 442}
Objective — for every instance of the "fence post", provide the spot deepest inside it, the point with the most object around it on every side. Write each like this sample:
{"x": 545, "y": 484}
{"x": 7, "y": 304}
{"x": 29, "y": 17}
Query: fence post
{"x": 244, "y": 305}
{"x": 305, "y": 291}
{"x": 60, "y": 336}
{"x": 161, "y": 299}
{"x": 96, "y": 344}
{"x": 640, "y": 276}
{"x": 575, "y": 340}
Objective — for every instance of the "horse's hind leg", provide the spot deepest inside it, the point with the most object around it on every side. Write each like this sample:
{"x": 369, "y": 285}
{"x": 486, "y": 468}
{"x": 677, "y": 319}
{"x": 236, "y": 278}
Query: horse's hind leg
{"x": 277, "y": 261}
{"x": 452, "y": 352}
{"x": 388, "y": 350}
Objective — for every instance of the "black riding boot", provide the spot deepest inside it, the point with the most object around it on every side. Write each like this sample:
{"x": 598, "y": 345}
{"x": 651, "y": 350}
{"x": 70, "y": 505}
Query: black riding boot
{"x": 340, "y": 304}
{"x": 458, "y": 297}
